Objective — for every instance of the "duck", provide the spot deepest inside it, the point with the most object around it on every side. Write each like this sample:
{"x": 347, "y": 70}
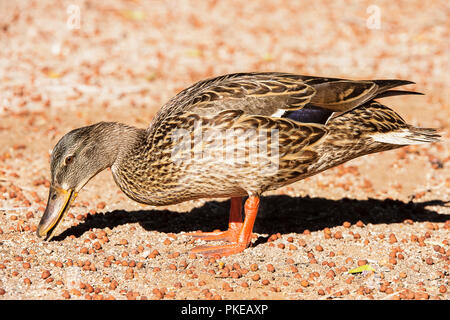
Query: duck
{"x": 232, "y": 136}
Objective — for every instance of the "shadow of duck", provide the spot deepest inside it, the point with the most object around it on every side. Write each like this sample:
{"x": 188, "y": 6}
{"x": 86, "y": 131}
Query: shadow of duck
{"x": 278, "y": 213}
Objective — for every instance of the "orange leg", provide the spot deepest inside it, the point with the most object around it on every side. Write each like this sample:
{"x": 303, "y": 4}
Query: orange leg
{"x": 242, "y": 238}
{"x": 234, "y": 225}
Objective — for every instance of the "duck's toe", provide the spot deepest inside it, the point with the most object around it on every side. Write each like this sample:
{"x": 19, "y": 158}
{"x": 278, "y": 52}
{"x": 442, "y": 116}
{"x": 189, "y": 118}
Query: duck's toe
{"x": 230, "y": 235}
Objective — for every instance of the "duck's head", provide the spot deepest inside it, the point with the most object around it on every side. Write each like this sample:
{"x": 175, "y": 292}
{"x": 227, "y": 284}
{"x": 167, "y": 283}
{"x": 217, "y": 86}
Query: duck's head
{"x": 75, "y": 159}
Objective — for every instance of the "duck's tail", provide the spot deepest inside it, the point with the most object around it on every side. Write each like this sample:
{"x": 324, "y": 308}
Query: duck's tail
{"x": 381, "y": 124}
{"x": 408, "y": 136}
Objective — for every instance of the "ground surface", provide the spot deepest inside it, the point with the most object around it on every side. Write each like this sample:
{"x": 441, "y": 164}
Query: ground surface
{"x": 389, "y": 210}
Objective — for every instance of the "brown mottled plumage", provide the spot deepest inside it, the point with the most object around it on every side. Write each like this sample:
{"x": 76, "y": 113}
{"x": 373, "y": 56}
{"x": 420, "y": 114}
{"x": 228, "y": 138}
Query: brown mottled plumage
{"x": 208, "y": 140}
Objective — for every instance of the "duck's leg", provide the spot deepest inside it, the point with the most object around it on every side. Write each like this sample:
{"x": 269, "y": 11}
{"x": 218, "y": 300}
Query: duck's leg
{"x": 243, "y": 237}
{"x": 234, "y": 225}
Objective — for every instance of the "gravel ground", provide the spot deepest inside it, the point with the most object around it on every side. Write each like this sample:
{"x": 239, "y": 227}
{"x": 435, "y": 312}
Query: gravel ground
{"x": 121, "y": 60}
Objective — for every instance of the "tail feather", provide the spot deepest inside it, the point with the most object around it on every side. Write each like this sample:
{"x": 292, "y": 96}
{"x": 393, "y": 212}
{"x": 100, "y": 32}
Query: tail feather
{"x": 384, "y": 87}
{"x": 408, "y": 136}
{"x": 423, "y": 135}
{"x": 387, "y": 84}
{"x": 390, "y": 93}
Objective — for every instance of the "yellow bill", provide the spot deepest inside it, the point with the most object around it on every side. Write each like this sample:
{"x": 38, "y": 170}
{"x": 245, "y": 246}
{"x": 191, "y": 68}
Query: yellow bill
{"x": 59, "y": 201}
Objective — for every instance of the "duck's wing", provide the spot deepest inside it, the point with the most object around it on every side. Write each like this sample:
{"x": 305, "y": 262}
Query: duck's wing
{"x": 301, "y": 102}
{"x": 271, "y": 94}
{"x": 252, "y": 93}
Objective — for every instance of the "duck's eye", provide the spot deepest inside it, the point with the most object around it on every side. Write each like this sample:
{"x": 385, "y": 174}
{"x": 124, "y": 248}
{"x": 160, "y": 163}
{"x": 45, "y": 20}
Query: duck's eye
{"x": 68, "y": 160}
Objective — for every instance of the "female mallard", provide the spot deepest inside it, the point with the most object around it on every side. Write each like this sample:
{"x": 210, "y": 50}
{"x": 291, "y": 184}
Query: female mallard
{"x": 232, "y": 136}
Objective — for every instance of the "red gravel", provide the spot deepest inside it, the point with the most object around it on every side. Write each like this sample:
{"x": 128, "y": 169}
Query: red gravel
{"x": 127, "y": 59}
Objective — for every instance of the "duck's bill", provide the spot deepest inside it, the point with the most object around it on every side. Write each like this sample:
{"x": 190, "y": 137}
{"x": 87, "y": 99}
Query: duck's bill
{"x": 59, "y": 201}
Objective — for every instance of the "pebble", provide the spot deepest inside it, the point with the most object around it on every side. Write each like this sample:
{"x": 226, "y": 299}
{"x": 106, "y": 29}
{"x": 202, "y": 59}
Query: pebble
{"x": 292, "y": 264}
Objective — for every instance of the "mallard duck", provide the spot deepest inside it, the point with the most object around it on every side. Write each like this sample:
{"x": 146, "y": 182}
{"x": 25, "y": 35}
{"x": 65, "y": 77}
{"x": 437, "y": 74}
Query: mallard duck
{"x": 233, "y": 136}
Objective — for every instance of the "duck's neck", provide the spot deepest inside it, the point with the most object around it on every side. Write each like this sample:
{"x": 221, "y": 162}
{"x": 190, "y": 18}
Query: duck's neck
{"x": 122, "y": 148}
{"x": 114, "y": 141}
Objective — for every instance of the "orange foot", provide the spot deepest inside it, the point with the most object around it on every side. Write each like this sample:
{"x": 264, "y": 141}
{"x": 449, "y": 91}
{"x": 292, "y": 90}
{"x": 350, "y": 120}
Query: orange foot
{"x": 230, "y": 235}
{"x": 238, "y": 232}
